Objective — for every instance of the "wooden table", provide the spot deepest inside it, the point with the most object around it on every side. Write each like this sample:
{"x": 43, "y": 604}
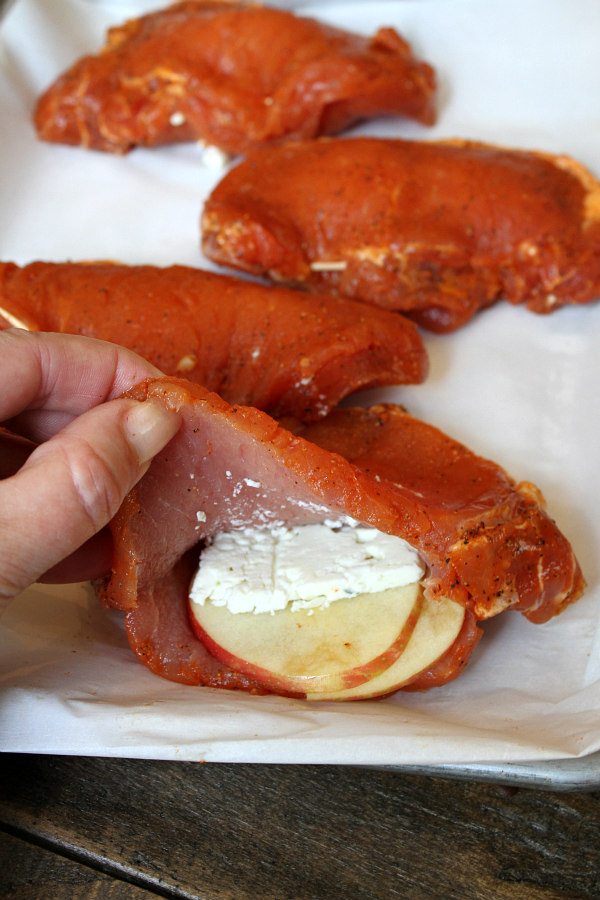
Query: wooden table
{"x": 104, "y": 828}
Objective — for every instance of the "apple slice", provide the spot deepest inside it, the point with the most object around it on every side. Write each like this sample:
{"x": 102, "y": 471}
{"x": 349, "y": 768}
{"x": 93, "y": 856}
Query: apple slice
{"x": 438, "y": 627}
{"x": 327, "y": 649}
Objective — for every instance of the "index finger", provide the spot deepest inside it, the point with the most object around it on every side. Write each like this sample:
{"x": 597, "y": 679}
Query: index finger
{"x": 63, "y": 376}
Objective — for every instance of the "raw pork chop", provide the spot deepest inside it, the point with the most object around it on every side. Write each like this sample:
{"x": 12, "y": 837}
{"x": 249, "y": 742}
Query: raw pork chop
{"x": 234, "y": 75}
{"x": 269, "y": 348}
{"x": 434, "y": 230}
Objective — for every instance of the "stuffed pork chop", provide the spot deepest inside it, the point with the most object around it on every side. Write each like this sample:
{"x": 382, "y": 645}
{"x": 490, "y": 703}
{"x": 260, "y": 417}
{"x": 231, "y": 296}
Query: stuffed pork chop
{"x": 414, "y": 538}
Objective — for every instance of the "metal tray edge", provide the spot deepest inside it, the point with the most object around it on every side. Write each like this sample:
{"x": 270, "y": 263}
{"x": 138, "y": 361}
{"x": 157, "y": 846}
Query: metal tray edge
{"x": 580, "y": 774}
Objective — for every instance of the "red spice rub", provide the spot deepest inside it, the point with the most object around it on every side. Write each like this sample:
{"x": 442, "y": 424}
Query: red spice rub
{"x": 486, "y": 541}
{"x": 234, "y": 75}
{"x": 434, "y": 230}
{"x": 267, "y": 347}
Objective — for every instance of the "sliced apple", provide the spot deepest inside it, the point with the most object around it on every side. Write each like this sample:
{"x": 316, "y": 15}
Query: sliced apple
{"x": 328, "y": 649}
{"x": 436, "y": 630}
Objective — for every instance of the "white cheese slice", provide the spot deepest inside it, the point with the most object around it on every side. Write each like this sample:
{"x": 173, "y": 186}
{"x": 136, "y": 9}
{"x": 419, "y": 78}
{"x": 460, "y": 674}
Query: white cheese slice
{"x": 265, "y": 569}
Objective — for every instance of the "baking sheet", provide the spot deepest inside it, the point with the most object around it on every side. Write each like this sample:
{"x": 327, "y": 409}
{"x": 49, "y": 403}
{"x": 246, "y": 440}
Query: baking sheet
{"x": 519, "y": 388}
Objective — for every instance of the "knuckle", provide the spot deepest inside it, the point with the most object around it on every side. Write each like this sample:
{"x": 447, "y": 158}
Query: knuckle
{"x": 96, "y": 484}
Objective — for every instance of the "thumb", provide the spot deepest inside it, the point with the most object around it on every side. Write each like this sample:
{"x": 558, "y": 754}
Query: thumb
{"x": 73, "y": 484}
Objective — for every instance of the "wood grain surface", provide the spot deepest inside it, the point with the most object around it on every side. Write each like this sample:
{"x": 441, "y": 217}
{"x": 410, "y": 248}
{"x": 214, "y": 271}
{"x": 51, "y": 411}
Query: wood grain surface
{"x": 241, "y": 831}
{"x": 32, "y": 873}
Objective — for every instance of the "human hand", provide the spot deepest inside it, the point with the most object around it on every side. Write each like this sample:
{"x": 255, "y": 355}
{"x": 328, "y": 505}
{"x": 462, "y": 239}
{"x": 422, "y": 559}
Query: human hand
{"x": 59, "y": 391}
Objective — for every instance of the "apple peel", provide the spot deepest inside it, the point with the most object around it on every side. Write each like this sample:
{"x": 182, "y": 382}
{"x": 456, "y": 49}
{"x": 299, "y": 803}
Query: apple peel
{"x": 438, "y": 626}
{"x": 329, "y": 649}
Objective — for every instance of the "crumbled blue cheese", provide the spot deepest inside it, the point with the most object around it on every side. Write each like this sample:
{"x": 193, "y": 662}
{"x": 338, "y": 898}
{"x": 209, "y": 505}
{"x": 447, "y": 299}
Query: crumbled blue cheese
{"x": 265, "y": 569}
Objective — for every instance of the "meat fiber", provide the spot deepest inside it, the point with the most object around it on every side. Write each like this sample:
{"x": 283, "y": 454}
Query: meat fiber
{"x": 271, "y": 348}
{"x": 437, "y": 231}
{"x": 486, "y": 542}
{"x": 234, "y": 75}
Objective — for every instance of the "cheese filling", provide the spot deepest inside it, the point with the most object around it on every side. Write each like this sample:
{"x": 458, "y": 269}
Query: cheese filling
{"x": 263, "y": 570}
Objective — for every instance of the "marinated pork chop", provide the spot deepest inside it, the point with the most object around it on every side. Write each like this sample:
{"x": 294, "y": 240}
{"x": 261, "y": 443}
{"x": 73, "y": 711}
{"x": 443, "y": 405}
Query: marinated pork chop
{"x": 234, "y": 75}
{"x": 437, "y": 231}
{"x": 270, "y": 348}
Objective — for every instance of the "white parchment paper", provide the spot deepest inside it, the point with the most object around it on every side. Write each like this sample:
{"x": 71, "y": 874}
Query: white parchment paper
{"x": 516, "y": 387}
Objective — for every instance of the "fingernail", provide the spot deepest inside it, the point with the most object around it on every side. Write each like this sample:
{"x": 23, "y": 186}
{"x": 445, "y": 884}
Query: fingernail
{"x": 149, "y": 427}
